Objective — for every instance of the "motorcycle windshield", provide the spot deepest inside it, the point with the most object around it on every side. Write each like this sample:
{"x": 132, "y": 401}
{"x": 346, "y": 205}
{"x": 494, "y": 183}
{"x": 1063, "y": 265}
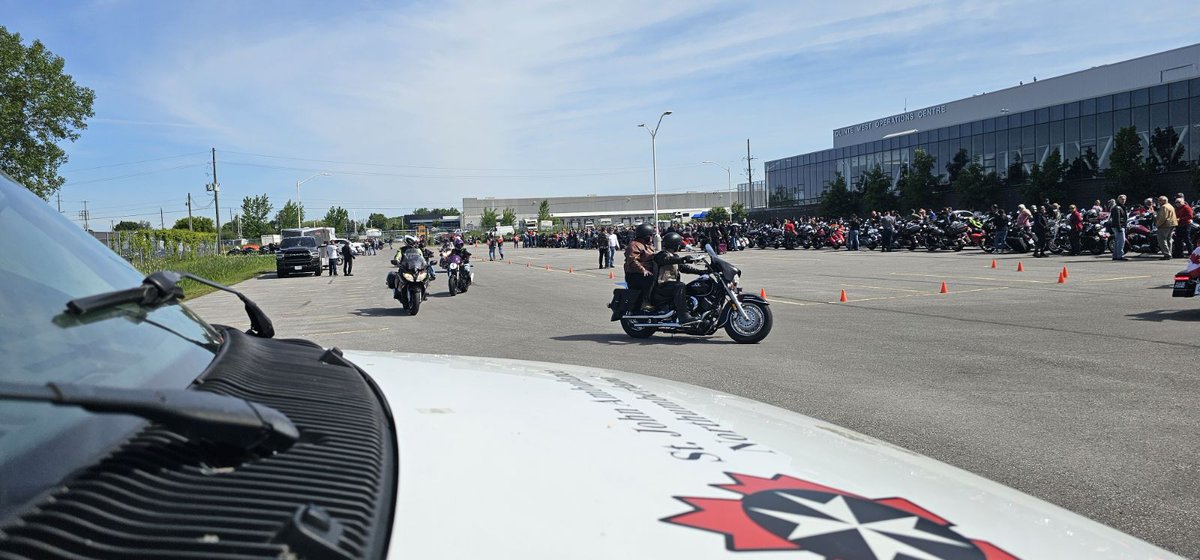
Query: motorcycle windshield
{"x": 728, "y": 271}
{"x": 412, "y": 261}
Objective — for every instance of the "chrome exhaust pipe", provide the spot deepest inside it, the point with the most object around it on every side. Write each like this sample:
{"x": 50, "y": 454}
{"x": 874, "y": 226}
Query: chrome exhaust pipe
{"x": 663, "y": 316}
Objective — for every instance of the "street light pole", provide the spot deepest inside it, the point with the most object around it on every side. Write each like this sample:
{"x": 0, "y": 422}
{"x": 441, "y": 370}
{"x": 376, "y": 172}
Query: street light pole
{"x": 298, "y": 183}
{"x": 654, "y": 174}
{"x": 728, "y": 182}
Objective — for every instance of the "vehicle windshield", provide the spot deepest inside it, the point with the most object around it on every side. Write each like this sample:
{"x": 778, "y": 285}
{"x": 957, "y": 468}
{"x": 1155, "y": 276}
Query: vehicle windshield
{"x": 56, "y": 261}
{"x": 412, "y": 260}
{"x": 727, "y": 270}
{"x": 305, "y": 241}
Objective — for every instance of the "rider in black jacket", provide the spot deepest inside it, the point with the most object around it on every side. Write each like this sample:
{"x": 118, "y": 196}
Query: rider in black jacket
{"x": 669, "y": 264}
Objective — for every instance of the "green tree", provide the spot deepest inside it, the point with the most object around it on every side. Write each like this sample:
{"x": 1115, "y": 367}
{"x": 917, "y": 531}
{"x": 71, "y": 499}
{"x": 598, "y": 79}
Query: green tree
{"x": 960, "y": 161}
{"x": 1045, "y": 181}
{"x": 918, "y": 186}
{"x": 40, "y": 105}
{"x": 509, "y": 217}
{"x": 199, "y": 224}
{"x": 1126, "y": 167}
{"x": 338, "y": 219}
{"x": 975, "y": 187}
{"x": 1084, "y": 166}
{"x": 377, "y": 221}
{"x": 229, "y": 230}
{"x": 256, "y": 211}
{"x": 395, "y": 223}
{"x": 126, "y": 225}
{"x": 543, "y": 211}
{"x": 290, "y": 215}
{"x": 439, "y": 212}
{"x": 837, "y": 199}
{"x": 877, "y": 190}
{"x": 1016, "y": 172}
{"x": 422, "y": 212}
{"x": 488, "y": 220}
{"x": 717, "y": 214}
{"x": 738, "y": 211}
{"x": 1166, "y": 153}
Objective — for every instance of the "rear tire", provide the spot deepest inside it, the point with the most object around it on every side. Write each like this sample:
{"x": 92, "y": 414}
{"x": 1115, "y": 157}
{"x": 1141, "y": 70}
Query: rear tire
{"x": 750, "y": 331}
{"x": 634, "y": 331}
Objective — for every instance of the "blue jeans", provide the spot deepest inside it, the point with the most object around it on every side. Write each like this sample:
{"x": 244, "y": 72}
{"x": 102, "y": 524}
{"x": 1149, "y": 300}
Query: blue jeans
{"x": 1118, "y": 243}
{"x": 491, "y": 252}
{"x": 612, "y": 252}
{"x": 1001, "y": 240}
{"x": 852, "y": 245}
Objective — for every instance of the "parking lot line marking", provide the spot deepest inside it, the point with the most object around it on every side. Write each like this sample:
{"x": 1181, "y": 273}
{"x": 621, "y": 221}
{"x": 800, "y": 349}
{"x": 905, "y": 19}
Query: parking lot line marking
{"x": 1118, "y": 278}
{"x": 924, "y": 294}
{"x": 1008, "y": 280}
{"x": 884, "y": 288}
{"x": 355, "y": 331}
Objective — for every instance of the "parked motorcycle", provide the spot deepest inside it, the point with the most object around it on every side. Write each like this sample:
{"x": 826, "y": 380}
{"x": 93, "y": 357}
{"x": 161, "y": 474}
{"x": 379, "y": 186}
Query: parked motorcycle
{"x": 714, "y": 299}
{"x": 459, "y": 274}
{"x": 410, "y": 282}
{"x": 1187, "y": 284}
{"x": 1141, "y": 236}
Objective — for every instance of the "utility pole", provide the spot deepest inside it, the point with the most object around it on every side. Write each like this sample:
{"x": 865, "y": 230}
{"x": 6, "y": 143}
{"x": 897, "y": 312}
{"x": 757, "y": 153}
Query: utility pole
{"x": 215, "y": 187}
{"x": 84, "y": 214}
{"x": 750, "y": 176}
{"x": 189, "y": 205}
{"x": 58, "y": 193}
{"x": 161, "y": 223}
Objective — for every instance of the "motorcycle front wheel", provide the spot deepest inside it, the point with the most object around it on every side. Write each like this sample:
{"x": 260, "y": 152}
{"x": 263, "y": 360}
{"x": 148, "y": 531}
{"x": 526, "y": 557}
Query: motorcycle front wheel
{"x": 453, "y": 285}
{"x": 752, "y": 328}
{"x": 414, "y": 301}
{"x": 635, "y": 331}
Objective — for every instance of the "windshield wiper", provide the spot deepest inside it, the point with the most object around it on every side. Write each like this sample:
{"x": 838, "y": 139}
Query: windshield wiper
{"x": 201, "y": 415}
{"x": 161, "y": 288}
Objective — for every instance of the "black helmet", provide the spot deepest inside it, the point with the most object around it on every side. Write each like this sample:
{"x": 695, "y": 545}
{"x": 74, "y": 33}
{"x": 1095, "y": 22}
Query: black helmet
{"x": 672, "y": 242}
{"x": 644, "y": 231}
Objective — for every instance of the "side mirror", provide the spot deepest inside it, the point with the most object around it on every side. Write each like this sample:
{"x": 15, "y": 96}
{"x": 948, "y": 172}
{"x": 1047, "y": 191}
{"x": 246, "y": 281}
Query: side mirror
{"x": 395, "y": 262}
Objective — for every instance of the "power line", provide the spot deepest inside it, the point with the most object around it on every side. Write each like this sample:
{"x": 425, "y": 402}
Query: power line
{"x": 416, "y": 176}
{"x": 103, "y": 179}
{"x": 407, "y": 166}
{"x": 70, "y": 170}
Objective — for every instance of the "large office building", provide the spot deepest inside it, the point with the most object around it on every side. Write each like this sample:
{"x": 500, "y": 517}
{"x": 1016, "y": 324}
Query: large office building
{"x": 1077, "y": 113}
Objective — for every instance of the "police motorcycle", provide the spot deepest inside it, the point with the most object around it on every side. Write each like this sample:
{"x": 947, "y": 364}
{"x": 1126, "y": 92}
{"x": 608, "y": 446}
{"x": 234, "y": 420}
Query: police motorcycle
{"x": 715, "y": 300}
{"x": 410, "y": 282}
{"x": 458, "y": 270}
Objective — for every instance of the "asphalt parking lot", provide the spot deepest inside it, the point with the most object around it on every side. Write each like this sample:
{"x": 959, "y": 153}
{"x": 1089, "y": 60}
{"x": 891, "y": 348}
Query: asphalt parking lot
{"x": 1081, "y": 393}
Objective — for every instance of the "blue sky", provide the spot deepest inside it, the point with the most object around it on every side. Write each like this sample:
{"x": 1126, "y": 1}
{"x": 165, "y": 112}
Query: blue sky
{"x": 411, "y": 104}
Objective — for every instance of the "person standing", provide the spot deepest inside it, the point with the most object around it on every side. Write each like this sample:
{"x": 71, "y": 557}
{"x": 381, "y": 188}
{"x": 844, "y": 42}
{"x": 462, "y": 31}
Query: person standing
{"x": 1075, "y": 225}
{"x": 887, "y": 227}
{"x": 612, "y": 243}
{"x": 1183, "y": 231}
{"x": 500, "y": 245}
{"x": 1117, "y": 217}
{"x": 600, "y": 241}
{"x": 1166, "y": 221}
{"x": 331, "y": 255}
{"x": 491, "y": 243}
{"x": 855, "y": 226}
{"x": 347, "y": 259}
{"x": 1000, "y": 223}
{"x": 1039, "y": 231}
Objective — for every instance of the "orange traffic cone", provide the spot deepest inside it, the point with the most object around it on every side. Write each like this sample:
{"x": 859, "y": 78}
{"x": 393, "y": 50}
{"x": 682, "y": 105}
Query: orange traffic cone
{"x": 993, "y": 263}
{"x": 1020, "y": 267}
{"x": 943, "y": 290}
{"x": 547, "y": 267}
{"x": 1062, "y": 279}
{"x": 526, "y": 265}
{"x": 1065, "y": 274}
{"x": 843, "y": 298}
{"x": 570, "y": 270}
{"x": 762, "y": 293}
{"x": 610, "y": 275}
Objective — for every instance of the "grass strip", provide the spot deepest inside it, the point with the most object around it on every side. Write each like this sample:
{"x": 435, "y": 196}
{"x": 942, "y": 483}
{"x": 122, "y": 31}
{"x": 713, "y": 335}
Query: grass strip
{"x": 227, "y": 270}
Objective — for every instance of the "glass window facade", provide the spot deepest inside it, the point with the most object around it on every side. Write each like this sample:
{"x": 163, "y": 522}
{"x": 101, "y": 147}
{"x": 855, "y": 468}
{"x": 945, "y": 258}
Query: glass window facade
{"x": 1072, "y": 128}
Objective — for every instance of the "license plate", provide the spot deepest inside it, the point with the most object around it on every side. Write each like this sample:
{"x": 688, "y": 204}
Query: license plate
{"x": 298, "y": 267}
{"x": 1180, "y": 285}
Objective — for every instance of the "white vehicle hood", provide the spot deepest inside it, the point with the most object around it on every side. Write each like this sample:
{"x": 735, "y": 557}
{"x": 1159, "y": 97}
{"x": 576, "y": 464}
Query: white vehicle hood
{"x": 513, "y": 459}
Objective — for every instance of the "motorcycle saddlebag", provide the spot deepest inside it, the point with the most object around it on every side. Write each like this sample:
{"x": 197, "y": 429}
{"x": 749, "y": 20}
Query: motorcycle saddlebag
{"x": 623, "y": 300}
{"x": 391, "y": 280}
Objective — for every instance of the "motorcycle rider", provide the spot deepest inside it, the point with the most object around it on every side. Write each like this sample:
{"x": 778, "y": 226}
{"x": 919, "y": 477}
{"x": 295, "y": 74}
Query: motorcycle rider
{"x": 638, "y": 257}
{"x": 669, "y": 288}
{"x": 412, "y": 245}
{"x": 460, "y": 249}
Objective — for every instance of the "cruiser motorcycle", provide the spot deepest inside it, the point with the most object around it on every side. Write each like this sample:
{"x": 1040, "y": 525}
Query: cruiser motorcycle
{"x": 715, "y": 299}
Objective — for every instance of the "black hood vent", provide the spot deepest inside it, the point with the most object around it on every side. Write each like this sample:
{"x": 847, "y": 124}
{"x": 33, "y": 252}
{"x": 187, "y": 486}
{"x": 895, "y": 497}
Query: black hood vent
{"x": 161, "y": 495}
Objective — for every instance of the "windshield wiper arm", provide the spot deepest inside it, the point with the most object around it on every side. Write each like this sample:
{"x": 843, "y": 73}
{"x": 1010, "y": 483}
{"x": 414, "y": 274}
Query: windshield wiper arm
{"x": 202, "y": 415}
{"x": 163, "y": 287}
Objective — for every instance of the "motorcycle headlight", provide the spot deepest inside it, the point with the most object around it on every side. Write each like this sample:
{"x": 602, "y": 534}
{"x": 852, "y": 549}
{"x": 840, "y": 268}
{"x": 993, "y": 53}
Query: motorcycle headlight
{"x": 736, "y": 279}
{"x": 453, "y": 266}
{"x": 408, "y": 276}
{"x": 421, "y": 276}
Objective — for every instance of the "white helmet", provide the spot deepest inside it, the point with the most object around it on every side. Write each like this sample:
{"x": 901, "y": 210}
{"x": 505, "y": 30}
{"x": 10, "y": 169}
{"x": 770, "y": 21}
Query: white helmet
{"x": 410, "y": 241}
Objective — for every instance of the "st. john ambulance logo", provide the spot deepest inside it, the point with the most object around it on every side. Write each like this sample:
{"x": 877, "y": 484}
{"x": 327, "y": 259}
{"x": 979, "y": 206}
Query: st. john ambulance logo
{"x": 785, "y": 513}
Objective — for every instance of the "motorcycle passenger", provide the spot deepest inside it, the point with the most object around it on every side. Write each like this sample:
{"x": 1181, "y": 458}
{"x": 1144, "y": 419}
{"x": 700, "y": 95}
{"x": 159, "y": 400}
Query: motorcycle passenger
{"x": 638, "y": 257}
{"x": 669, "y": 289}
